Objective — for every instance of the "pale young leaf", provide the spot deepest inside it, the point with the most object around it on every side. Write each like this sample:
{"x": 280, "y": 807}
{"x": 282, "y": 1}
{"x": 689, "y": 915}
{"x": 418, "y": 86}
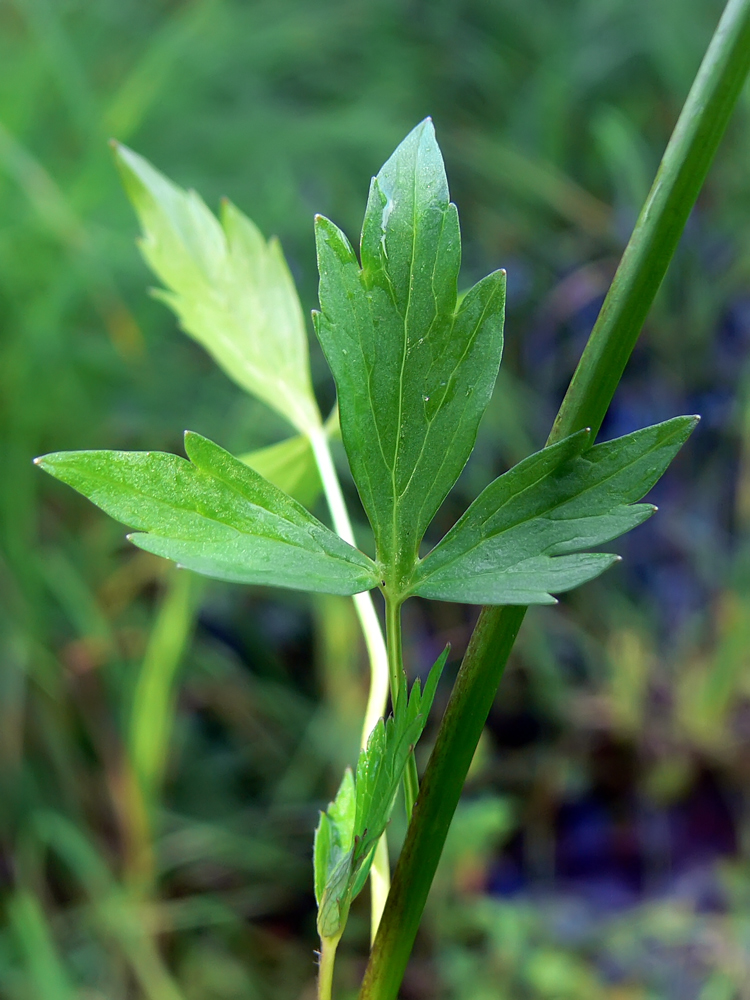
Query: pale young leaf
{"x": 291, "y": 466}
{"x": 230, "y": 289}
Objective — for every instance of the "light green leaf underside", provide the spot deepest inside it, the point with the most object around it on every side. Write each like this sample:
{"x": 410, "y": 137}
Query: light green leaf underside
{"x": 216, "y": 516}
{"x": 231, "y": 290}
{"x": 349, "y": 831}
{"x": 524, "y": 538}
{"x": 413, "y": 373}
{"x": 291, "y": 466}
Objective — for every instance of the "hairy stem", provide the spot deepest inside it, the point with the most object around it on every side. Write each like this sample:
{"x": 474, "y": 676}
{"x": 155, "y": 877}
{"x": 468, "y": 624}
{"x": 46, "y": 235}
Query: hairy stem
{"x": 328, "y": 948}
{"x": 377, "y": 700}
{"x": 651, "y": 247}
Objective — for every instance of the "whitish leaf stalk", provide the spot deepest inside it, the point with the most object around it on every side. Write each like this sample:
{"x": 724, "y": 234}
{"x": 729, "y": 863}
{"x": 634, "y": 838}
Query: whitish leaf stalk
{"x": 377, "y": 701}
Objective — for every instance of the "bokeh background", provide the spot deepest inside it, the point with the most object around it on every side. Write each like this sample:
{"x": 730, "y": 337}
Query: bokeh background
{"x": 603, "y": 847}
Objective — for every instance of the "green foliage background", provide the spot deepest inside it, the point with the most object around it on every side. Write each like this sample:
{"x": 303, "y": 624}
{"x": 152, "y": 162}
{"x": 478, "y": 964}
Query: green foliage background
{"x": 552, "y": 117}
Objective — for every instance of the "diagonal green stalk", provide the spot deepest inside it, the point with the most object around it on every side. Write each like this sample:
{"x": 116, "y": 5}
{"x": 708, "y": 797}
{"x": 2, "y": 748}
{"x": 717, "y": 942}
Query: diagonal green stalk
{"x": 681, "y": 174}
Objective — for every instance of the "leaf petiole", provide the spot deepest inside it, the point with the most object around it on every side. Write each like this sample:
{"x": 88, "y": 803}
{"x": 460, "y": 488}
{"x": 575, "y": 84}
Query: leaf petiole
{"x": 398, "y": 689}
{"x": 377, "y": 700}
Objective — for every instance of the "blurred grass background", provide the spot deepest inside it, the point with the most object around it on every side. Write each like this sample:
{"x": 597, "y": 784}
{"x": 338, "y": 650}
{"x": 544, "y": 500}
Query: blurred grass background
{"x": 165, "y": 743}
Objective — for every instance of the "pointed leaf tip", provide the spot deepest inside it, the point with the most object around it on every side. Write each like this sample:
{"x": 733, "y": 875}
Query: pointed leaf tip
{"x": 412, "y": 370}
{"x": 528, "y": 534}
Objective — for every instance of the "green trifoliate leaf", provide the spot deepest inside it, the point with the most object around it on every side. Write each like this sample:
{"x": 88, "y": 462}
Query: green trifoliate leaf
{"x": 525, "y": 537}
{"x": 231, "y": 290}
{"x": 291, "y": 466}
{"x": 413, "y": 372}
{"x": 355, "y": 821}
{"x": 216, "y": 516}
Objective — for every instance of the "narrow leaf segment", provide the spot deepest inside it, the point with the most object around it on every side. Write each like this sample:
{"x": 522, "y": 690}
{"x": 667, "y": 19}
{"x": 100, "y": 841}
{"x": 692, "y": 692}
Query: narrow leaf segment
{"x": 413, "y": 373}
{"x": 525, "y": 536}
{"x": 216, "y": 516}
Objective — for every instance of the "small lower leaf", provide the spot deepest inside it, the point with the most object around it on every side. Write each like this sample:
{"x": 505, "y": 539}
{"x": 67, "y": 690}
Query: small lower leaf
{"x": 348, "y": 832}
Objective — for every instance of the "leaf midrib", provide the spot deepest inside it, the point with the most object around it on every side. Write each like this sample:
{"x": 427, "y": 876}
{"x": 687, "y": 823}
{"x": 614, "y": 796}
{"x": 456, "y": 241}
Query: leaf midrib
{"x": 395, "y": 520}
{"x": 458, "y": 423}
{"x": 98, "y": 477}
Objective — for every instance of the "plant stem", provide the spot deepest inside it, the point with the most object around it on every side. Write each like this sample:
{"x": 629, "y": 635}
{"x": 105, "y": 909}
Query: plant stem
{"x": 393, "y": 644}
{"x": 377, "y": 700}
{"x": 651, "y": 247}
{"x": 675, "y": 189}
{"x": 328, "y": 948}
{"x": 443, "y": 780}
{"x": 380, "y": 884}
{"x": 373, "y": 635}
{"x": 398, "y": 689}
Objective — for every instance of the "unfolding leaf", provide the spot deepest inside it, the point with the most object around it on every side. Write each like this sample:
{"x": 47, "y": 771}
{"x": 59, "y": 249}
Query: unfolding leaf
{"x": 216, "y": 516}
{"x": 231, "y": 290}
{"x": 381, "y": 765}
{"x": 413, "y": 372}
{"x": 524, "y": 538}
{"x": 291, "y": 466}
{"x": 334, "y": 835}
{"x": 348, "y": 833}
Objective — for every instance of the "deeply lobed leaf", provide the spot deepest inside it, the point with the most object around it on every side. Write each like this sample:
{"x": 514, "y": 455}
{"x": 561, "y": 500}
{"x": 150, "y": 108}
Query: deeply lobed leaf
{"x": 525, "y": 536}
{"x": 231, "y": 290}
{"x": 215, "y": 515}
{"x": 380, "y": 767}
{"x": 413, "y": 373}
{"x": 348, "y": 832}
